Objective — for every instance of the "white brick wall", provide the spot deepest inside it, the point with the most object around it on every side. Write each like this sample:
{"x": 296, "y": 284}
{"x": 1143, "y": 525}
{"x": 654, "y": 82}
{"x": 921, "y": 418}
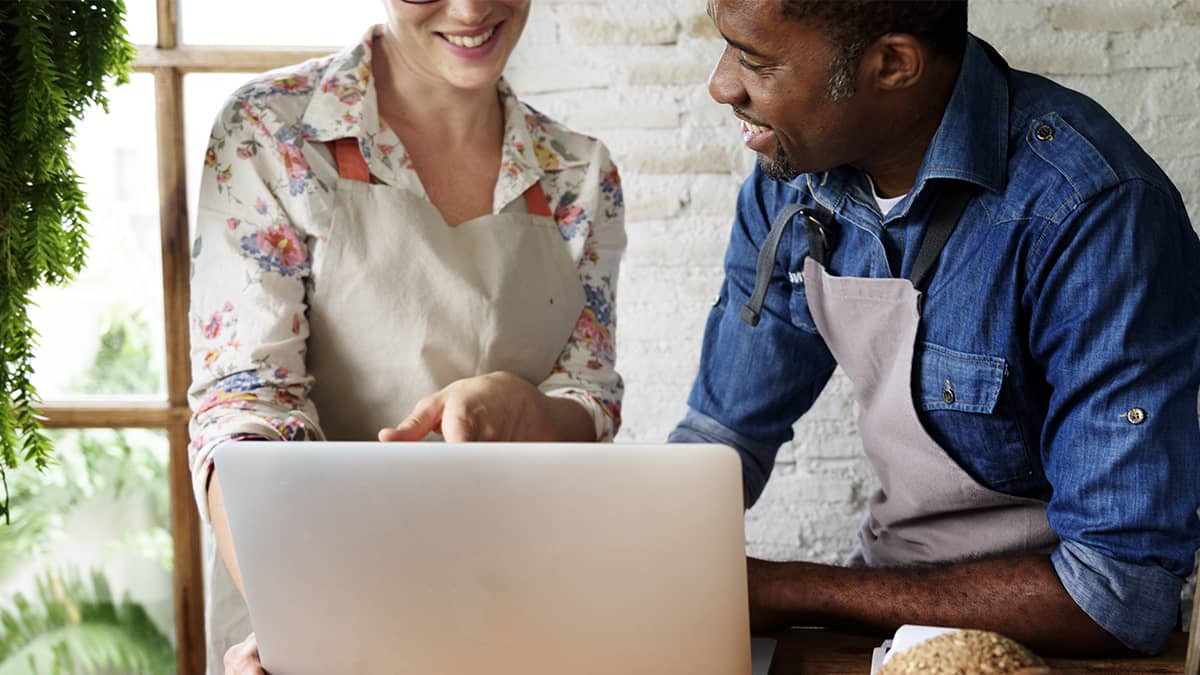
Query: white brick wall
{"x": 633, "y": 72}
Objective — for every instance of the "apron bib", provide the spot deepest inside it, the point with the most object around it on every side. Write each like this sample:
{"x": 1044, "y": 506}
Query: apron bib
{"x": 928, "y": 509}
{"x": 402, "y": 305}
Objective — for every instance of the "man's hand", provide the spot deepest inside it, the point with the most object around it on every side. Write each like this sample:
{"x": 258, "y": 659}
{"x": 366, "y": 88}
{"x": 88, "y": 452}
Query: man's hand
{"x": 242, "y": 658}
{"x": 498, "y": 406}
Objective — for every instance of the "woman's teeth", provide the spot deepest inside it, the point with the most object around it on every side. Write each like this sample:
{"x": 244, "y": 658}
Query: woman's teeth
{"x": 471, "y": 41}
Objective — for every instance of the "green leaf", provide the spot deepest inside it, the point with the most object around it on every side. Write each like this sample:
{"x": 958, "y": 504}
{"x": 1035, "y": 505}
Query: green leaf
{"x": 57, "y": 58}
{"x": 73, "y": 628}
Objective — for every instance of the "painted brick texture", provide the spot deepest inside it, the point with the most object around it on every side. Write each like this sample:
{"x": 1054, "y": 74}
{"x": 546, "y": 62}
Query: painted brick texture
{"x": 633, "y": 73}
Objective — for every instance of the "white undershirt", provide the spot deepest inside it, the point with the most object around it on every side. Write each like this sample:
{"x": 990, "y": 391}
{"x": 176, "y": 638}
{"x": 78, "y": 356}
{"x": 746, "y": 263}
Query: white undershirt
{"x": 886, "y": 204}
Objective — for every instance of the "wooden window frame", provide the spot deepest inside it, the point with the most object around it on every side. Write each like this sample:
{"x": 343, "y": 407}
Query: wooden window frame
{"x": 169, "y": 61}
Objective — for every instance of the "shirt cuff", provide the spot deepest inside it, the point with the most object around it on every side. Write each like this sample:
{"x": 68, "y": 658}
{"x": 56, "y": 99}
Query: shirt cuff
{"x": 1138, "y": 604}
{"x": 295, "y": 427}
{"x": 758, "y": 458}
{"x": 603, "y": 423}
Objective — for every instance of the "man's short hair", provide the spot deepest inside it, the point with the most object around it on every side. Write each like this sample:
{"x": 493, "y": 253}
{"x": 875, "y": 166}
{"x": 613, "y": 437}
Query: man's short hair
{"x": 853, "y": 25}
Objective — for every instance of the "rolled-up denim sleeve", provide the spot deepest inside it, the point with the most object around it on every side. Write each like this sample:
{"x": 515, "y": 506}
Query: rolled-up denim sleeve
{"x": 757, "y": 457}
{"x": 1136, "y": 603}
{"x": 1116, "y": 325}
{"x": 754, "y": 382}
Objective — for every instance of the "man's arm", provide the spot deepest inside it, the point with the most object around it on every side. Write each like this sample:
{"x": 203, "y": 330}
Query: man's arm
{"x": 1020, "y": 597}
{"x": 754, "y": 382}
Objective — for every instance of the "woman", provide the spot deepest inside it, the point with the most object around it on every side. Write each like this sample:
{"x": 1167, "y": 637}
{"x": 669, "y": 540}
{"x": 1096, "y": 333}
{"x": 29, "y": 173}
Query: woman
{"x": 388, "y": 237}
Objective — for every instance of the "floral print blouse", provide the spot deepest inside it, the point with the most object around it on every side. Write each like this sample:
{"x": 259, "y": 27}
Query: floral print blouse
{"x": 266, "y": 194}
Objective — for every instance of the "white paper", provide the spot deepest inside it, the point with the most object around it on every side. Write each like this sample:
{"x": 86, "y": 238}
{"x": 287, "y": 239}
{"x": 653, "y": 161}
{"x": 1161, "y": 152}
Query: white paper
{"x": 906, "y": 637}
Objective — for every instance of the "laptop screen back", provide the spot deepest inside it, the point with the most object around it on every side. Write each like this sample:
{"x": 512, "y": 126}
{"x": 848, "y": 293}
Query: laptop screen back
{"x": 432, "y": 558}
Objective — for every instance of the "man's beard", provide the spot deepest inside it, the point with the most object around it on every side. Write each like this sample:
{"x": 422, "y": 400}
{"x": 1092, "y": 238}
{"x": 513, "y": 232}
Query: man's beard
{"x": 779, "y": 168}
{"x": 839, "y": 88}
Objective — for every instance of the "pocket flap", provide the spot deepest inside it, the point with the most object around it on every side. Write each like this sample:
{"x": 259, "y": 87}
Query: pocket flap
{"x": 951, "y": 380}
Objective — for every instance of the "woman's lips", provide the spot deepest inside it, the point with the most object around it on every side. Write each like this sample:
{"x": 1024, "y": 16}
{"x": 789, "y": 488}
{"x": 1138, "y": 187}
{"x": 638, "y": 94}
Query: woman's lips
{"x": 473, "y": 44}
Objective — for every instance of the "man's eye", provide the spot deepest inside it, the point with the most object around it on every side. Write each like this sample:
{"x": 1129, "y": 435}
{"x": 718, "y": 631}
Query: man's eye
{"x": 752, "y": 67}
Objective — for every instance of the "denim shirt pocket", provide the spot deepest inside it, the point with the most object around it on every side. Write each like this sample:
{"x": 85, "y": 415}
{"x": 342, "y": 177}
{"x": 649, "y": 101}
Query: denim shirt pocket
{"x": 960, "y": 399}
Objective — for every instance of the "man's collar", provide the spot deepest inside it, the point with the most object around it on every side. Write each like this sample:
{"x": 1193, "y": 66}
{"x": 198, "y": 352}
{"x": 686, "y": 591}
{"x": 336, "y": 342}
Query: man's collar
{"x": 970, "y": 144}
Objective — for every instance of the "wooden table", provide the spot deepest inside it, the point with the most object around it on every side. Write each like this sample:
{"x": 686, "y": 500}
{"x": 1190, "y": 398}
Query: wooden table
{"x": 815, "y": 651}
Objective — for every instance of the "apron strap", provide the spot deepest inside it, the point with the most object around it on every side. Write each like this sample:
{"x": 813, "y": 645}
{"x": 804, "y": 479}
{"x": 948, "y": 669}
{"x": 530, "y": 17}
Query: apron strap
{"x": 536, "y": 202}
{"x": 766, "y": 264}
{"x": 947, "y": 211}
{"x": 818, "y": 228}
{"x": 349, "y": 159}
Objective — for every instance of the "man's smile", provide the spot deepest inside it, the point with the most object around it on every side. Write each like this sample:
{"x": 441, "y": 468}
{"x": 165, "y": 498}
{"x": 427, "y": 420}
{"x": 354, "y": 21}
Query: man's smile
{"x": 757, "y": 137}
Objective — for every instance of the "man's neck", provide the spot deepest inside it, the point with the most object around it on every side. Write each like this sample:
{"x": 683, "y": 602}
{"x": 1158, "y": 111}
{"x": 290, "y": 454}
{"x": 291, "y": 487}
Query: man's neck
{"x": 894, "y": 167}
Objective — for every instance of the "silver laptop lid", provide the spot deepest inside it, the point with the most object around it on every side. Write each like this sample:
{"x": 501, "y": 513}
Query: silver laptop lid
{"x": 456, "y": 559}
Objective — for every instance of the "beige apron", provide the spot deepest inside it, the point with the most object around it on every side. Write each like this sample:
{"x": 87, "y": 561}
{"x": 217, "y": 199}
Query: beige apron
{"x": 402, "y": 305}
{"x": 928, "y": 509}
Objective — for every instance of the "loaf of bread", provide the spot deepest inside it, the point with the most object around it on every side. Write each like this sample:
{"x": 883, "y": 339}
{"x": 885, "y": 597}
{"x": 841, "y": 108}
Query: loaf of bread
{"x": 965, "y": 652}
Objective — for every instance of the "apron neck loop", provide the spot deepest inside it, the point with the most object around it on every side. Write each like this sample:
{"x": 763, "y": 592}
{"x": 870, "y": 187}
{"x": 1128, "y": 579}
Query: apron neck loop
{"x": 752, "y": 310}
{"x": 947, "y": 211}
{"x": 350, "y": 162}
{"x": 818, "y": 226}
{"x": 352, "y": 165}
{"x": 536, "y": 202}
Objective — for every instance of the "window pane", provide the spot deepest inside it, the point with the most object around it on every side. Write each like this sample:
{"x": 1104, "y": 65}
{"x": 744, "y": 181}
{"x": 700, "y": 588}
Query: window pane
{"x": 277, "y": 22}
{"x": 203, "y": 96}
{"x": 103, "y": 333}
{"x": 141, "y": 21}
{"x": 86, "y": 534}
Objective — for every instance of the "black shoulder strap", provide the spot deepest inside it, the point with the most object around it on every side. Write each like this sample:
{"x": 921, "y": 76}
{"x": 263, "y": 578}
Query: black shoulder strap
{"x": 947, "y": 210}
{"x": 766, "y": 264}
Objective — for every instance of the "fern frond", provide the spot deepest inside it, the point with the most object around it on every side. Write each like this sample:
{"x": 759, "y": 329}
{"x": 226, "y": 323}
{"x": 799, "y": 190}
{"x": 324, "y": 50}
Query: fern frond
{"x": 56, "y": 59}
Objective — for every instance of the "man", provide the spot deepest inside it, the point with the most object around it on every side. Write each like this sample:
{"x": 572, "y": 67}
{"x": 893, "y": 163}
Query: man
{"x": 1027, "y": 379}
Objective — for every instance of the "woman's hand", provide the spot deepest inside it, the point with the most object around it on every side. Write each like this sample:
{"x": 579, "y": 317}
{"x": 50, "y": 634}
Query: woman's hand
{"x": 498, "y": 406}
{"x": 242, "y": 658}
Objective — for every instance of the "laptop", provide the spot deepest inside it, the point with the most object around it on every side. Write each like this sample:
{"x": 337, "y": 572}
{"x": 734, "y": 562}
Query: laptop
{"x": 498, "y": 558}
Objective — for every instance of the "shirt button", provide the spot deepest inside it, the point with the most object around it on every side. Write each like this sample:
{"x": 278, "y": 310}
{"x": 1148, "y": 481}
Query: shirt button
{"x": 947, "y": 394}
{"x": 1135, "y": 415}
{"x": 1044, "y": 133}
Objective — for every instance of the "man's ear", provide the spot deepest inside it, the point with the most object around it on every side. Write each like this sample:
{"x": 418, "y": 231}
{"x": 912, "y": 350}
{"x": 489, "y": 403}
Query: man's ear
{"x": 893, "y": 62}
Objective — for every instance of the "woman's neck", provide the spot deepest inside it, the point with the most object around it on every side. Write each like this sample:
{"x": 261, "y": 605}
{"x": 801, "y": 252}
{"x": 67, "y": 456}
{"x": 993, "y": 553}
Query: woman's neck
{"x": 418, "y": 106}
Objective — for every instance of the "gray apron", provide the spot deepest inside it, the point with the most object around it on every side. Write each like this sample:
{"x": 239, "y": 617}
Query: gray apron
{"x": 927, "y": 509}
{"x": 402, "y": 305}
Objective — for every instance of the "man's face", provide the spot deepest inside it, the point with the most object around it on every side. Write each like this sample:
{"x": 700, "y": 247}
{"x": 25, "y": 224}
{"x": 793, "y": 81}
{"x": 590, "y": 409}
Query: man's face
{"x": 775, "y": 73}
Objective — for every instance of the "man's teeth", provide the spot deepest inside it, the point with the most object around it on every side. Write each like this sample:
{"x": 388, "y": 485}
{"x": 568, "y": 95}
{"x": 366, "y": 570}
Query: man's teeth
{"x": 754, "y": 128}
{"x": 470, "y": 42}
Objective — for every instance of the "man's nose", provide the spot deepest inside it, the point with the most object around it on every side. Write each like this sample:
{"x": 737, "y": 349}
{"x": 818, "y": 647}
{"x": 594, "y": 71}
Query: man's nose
{"x": 723, "y": 85}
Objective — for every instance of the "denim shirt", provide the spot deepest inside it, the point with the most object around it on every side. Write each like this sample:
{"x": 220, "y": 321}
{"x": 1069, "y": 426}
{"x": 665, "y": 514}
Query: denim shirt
{"x": 1065, "y": 306}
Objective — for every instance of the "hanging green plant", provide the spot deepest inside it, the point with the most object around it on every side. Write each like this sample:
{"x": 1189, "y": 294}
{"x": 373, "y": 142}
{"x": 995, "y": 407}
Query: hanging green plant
{"x": 56, "y": 58}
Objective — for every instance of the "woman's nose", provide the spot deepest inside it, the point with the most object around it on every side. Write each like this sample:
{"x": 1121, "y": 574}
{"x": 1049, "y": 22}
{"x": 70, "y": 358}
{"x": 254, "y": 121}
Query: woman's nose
{"x": 471, "y": 12}
{"x": 723, "y": 84}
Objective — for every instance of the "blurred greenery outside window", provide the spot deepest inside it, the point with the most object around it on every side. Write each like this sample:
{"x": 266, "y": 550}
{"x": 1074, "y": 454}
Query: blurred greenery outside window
{"x": 95, "y": 522}
{"x": 86, "y": 564}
